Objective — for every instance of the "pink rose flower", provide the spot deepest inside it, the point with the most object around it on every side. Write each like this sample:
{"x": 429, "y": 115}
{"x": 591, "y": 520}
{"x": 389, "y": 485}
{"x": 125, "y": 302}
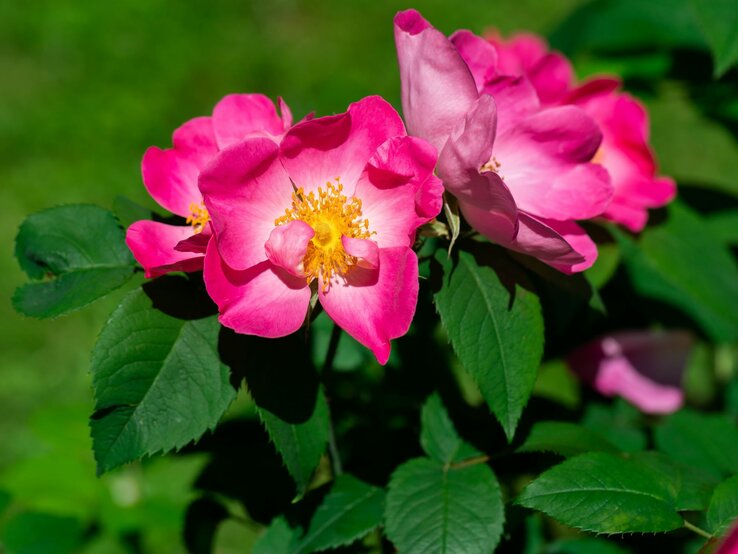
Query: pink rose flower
{"x": 643, "y": 367}
{"x": 170, "y": 176}
{"x": 729, "y": 543}
{"x": 332, "y": 211}
{"x": 624, "y": 152}
{"x": 522, "y": 174}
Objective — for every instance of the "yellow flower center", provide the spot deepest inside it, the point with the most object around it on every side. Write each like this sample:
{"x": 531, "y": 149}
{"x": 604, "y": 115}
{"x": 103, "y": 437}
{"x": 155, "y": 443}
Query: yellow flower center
{"x": 199, "y": 217}
{"x": 330, "y": 214}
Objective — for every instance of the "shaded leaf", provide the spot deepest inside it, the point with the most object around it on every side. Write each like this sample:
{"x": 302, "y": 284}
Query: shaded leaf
{"x": 80, "y": 253}
{"x": 723, "y": 509}
{"x": 718, "y": 20}
{"x": 620, "y": 423}
{"x": 557, "y": 383}
{"x": 279, "y": 538}
{"x": 432, "y": 508}
{"x": 159, "y": 383}
{"x": 37, "y": 533}
{"x": 349, "y": 511}
{"x": 604, "y": 493}
{"x": 438, "y": 437}
{"x": 495, "y": 326}
{"x": 567, "y": 439}
{"x": 201, "y": 522}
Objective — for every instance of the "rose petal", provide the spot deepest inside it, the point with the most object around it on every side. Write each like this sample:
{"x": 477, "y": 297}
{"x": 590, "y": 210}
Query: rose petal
{"x": 287, "y": 246}
{"x": 153, "y": 245}
{"x": 238, "y": 116}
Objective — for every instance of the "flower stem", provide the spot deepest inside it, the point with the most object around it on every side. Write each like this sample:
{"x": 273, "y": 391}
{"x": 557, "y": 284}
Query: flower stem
{"x": 327, "y": 367}
{"x": 481, "y": 459}
{"x": 695, "y": 529}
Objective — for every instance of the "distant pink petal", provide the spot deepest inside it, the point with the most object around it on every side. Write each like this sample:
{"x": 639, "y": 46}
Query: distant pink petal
{"x": 592, "y": 88}
{"x": 552, "y": 77}
{"x": 375, "y": 306}
{"x": 171, "y": 179}
{"x": 542, "y": 162}
{"x": 478, "y": 54}
{"x": 195, "y": 140}
{"x": 264, "y": 300}
{"x": 153, "y": 243}
{"x": 320, "y": 150}
{"x": 634, "y": 196}
{"x": 238, "y": 116}
{"x": 645, "y": 368}
{"x": 398, "y": 192}
{"x": 437, "y": 86}
{"x": 365, "y": 250}
{"x": 729, "y": 545}
{"x": 518, "y": 54}
{"x": 287, "y": 246}
{"x": 245, "y": 190}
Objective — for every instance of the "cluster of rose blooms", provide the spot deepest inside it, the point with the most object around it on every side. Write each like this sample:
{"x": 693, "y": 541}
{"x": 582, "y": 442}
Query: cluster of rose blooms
{"x": 281, "y": 213}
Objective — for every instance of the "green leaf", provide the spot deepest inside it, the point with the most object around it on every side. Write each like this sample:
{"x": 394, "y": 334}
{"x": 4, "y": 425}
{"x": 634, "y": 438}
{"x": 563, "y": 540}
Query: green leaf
{"x": 37, "y": 533}
{"x": 443, "y": 509}
{"x": 724, "y": 226}
{"x": 567, "y": 439}
{"x": 349, "y": 511}
{"x": 608, "y": 259}
{"x": 664, "y": 267}
{"x": 495, "y": 325}
{"x": 80, "y": 253}
{"x": 5, "y": 499}
{"x": 279, "y": 538}
{"x": 707, "y": 441}
{"x": 301, "y": 445}
{"x": 620, "y": 423}
{"x": 451, "y": 211}
{"x": 158, "y": 380}
{"x": 585, "y": 545}
{"x": 556, "y": 382}
{"x": 605, "y": 494}
{"x": 723, "y": 508}
{"x": 438, "y": 436}
{"x": 202, "y": 519}
{"x": 718, "y": 20}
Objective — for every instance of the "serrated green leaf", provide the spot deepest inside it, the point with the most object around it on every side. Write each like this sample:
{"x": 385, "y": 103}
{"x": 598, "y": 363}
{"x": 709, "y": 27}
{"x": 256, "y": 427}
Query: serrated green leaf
{"x": 158, "y": 380}
{"x": 723, "y": 509}
{"x": 567, "y": 439}
{"x": 438, "y": 437}
{"x": 301, "y": 445}
{"x": 495, "y": 325}
{"x": 606, "y": 494}
{"x": 718, "y": 20}
{"x": 663, "y": 267}
{"x": 78, "y": 250}
{"x": 279, "y": 538}
{"x": 706, "y": 441}
{"x": 349, "y": 511}
{"x": 432, "y": 508}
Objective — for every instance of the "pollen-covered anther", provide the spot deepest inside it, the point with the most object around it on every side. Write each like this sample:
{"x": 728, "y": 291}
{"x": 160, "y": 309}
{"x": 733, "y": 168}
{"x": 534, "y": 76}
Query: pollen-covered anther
{"x": 331, "y": 214}
{"x": 198, "y": 217}
{"x": 492, "y": 165}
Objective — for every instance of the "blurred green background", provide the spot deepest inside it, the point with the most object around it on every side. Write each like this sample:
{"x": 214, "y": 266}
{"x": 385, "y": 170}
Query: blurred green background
{"x": 87, "y": 86}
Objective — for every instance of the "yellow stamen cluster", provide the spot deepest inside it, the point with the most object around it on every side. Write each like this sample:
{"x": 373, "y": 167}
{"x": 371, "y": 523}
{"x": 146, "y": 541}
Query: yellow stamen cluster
{"x": 199, "y": 217}
{"x": 492, "y": 165}
{"x": 331, "y": 214}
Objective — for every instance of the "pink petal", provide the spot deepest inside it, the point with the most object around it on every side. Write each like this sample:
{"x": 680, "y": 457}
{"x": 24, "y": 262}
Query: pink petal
{"x": 592, "y": 88}
{"x": 365, "y": 250}
{"x": 729, "y": 545}
{"x": 264, "y": 300}
{"x": 460, "y": 163}
{"x": 320, "y": 150}
{"x": 645, "y": 368}
{"x": 580, "y": 243}
{"x": 633, "y": 197}
{"x": 238, "y": 116}
{"x": 153, "y": 245}
{"x": 552, "y": 78}
{"x": 195, "y": 140}
{"x": 519, "y": 53}
{"x": 196, "y": 243}
{"x": 287, "y": 246}
{"x": 478, "y": 54}
{"x": 398, "y": 191}
{"x": 516, "y": 99}
{"x": 171, "y": 179}
{"x": 437, "y": 86}
{"x": 284, "y": 109}
{"x": 543, "y": 163}
{"x": 375, "y": 306}
{"x": 245, "y": 189}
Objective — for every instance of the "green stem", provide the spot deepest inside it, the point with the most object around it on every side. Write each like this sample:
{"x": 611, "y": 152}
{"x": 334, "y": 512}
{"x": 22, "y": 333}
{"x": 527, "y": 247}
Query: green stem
{"x": 695, "y": 529}
{"x": 481, "y": 459}
{"x": 327, "y": 367}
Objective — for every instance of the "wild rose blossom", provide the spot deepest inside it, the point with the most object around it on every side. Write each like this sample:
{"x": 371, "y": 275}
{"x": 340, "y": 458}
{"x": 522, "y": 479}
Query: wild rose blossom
{"x": 170, "y": 176}
{"x": 332, "y": 210}
{"x": 624, "y": 152}
{"x": 644, "y": 367}
{"x": 521, "y": 174}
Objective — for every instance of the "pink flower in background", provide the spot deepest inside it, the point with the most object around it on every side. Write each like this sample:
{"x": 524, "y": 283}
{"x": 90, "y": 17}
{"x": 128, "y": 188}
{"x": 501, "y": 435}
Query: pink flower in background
{"x": 644, "y": 367}
{"x": 522, "y": 174}
{"x": 625, "y": 151}
{"x": 729, "y": 544}
{"x": 332, "y": 210}
{"x": 170, "y": 176}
